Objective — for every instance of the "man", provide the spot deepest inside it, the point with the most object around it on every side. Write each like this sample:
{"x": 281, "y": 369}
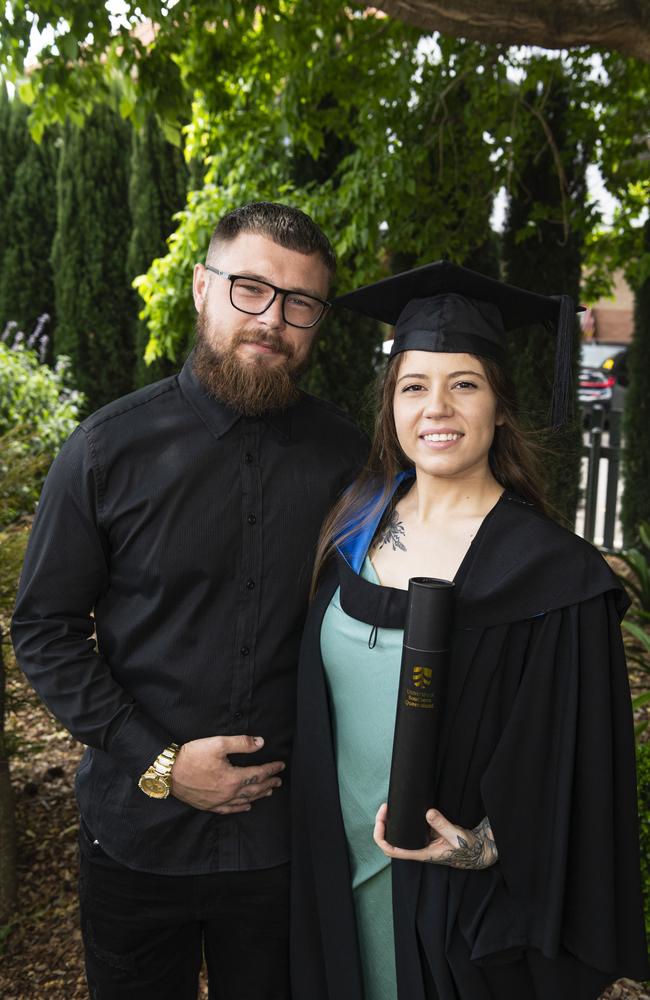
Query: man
{"x": 185, "y": 516}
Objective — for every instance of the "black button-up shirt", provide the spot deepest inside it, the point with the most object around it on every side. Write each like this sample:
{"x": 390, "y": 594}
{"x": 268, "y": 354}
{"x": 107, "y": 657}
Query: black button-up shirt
{"x": 189, "y": 532}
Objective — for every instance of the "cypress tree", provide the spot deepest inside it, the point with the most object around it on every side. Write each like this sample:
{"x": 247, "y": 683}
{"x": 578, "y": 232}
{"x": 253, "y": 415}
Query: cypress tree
{"x": 14, "y": 141}
{"x": 26, "y": 279}
{"x": 6, "y": 175}
{"x": 635, "y": 507}
{"x": 542, "y": 253}
{"x": 95, "y": 305}
{"x": 157, "y": 190}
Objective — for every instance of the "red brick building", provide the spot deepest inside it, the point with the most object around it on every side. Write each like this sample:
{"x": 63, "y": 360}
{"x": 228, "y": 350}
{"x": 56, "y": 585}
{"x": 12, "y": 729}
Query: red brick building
{"x": 611, "y": 320}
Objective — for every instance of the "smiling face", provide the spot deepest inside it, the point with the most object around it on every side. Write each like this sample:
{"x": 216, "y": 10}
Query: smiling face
{"x": 266, "y": 338}
{"x": 445, "y": 413}
{"x": 253, "y": 363}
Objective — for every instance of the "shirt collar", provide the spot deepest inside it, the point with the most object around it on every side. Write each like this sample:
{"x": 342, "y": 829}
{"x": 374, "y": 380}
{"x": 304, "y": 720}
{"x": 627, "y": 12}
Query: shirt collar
{"x": 218, "y": 416}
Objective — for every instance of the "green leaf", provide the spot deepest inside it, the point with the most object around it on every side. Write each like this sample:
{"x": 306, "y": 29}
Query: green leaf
{"x": 639, "y": 634}
{"x": 26, "y": 92}
{"x": 76, "y": 117}
{"x": 644, "y": 534}
{"x": 126, "y": 107}
{"x": 68, "y": 45}
{"x": 172, "y": 133}
{"x": 641, "y": 699}
{"x": 36, "y": 129}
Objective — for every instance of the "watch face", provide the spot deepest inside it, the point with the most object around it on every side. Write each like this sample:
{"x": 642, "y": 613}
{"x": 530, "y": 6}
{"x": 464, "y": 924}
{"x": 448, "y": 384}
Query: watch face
{"x": 156, "y": 787}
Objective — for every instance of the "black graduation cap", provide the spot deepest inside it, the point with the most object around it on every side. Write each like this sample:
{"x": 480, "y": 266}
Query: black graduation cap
{"x": 444, "y": 307}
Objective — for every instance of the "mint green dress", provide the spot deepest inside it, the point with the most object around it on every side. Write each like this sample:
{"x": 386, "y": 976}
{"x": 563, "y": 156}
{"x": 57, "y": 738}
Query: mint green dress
{"x": 362, "y": 685}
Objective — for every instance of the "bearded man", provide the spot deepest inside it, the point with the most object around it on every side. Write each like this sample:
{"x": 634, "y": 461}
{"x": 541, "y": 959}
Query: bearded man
{"x": 159, "y": 616}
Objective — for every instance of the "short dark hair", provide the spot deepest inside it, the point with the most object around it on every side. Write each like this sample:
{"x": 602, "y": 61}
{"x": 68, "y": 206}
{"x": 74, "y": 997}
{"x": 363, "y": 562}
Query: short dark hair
{"x": 286, "y": 226}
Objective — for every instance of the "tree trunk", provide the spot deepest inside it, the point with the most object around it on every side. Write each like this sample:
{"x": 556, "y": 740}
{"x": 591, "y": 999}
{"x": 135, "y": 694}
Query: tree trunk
{"x": 552, "y": 24}
{"x": 8, "y": 860}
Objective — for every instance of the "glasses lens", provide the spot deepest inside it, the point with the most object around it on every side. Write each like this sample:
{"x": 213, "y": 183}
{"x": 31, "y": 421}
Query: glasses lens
{"x": 251, "y": 296}
{"x": 302, "y": 310}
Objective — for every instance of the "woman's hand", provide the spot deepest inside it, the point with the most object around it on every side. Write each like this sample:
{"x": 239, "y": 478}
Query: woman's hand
{"x": 450, "y": 845}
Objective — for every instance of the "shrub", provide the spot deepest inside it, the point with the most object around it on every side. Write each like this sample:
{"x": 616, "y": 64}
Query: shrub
{"x": 38, "y": 411}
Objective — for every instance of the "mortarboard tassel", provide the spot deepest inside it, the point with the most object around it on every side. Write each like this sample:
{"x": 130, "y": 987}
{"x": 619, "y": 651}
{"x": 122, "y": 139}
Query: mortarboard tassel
{"x": 562, "y": 398}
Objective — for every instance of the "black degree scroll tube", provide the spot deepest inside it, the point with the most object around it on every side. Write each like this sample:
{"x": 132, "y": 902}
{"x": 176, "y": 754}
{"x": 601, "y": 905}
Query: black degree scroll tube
{"x": 423, "y": 676}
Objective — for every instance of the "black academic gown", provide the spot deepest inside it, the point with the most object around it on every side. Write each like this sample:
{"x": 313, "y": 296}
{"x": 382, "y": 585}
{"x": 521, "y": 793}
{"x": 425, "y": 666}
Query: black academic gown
{"x": 537, "y": 735}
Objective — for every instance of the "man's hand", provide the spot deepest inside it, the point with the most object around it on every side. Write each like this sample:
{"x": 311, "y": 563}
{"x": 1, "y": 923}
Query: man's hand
{"x": 203, "y": 776}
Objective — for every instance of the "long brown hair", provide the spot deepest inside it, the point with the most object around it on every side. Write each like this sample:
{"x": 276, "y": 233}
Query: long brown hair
{"x": 513, "y": 459}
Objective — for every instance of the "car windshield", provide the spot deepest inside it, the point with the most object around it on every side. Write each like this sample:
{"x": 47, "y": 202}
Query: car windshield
{"x": 595, "y": 355}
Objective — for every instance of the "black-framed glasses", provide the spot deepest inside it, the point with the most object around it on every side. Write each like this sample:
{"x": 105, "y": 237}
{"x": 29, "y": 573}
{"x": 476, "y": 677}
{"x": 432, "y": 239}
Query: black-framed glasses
{"x": 252, "y": 296}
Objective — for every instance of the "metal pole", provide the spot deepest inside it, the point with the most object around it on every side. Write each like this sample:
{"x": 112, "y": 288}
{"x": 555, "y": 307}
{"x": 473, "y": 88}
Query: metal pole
{"x": 613, "y": 465}
{"x": 593, "y": 468}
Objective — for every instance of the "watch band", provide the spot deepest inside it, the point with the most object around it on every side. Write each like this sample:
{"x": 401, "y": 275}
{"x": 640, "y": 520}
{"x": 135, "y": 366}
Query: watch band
{"x": 156, "y": 780}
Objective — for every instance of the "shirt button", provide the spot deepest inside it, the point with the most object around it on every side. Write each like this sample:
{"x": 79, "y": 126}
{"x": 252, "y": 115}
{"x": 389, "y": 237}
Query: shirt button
{"x": 250, "y": 584}
{"x": 251, "y": 519}
{"x": 237, "y": 715}
{"x": 244, "y": 651}
{"x": 248, "y": 458}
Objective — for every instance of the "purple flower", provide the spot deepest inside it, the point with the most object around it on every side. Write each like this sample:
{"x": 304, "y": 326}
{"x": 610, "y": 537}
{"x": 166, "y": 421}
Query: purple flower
{"x": 6, "y": 333}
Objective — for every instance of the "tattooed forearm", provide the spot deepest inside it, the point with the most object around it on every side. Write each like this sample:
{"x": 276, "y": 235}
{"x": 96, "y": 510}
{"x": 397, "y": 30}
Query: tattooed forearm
{"x": 391, "y": 532}
{"x": 477, "y": 850}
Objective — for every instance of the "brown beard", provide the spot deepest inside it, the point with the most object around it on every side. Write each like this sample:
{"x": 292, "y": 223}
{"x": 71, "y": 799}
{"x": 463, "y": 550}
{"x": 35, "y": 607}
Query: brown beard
{"x": 251, "y": 387}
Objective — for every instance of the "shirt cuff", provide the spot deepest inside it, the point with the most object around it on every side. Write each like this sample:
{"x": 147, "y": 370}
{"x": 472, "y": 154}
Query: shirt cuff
{"x": 136, "y": 741}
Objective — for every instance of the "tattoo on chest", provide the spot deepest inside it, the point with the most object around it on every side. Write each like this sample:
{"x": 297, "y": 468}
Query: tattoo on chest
{"x": 392, "y": 533}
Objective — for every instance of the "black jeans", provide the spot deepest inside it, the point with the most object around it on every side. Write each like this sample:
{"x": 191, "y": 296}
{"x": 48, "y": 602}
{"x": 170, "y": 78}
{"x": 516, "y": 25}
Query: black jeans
{"x": 144, "y": 935}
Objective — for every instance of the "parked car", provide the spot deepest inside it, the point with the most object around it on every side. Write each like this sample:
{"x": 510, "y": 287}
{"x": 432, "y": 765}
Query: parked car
{"x": 603, "y": 376}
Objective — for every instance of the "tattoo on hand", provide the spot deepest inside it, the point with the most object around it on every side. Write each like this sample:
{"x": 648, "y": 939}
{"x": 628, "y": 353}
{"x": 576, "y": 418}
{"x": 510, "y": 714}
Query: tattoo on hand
{"x": 476, "y": 851}
{"x": 391, "y": 533}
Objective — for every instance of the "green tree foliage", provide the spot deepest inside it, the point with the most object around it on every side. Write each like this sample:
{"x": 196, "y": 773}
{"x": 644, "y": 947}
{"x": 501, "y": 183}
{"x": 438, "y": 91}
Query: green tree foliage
{"x": 347, "y": 351}
{"x": 625, "y": 137}
{"x": 95, "y": 306}
{"x": 395, "y": 144}
{"x": 636, "y": 420}
{"x": 26, "y": 279}
{"x": 619, "y": 98}
{"x": 14, "y": 141}
{"x": 157, "y": 191}
{"x": 297, "y": 131}
{"x": 38, "y": 411}
{"x": 542, "y": 247}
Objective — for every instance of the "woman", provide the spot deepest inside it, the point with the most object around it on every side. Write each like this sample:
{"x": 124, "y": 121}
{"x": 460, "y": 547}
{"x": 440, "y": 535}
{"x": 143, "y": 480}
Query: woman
{"x": 529, "y": 887}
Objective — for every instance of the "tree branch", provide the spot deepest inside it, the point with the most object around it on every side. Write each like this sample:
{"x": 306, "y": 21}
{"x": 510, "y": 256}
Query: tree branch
{"x": 553, "y": 24}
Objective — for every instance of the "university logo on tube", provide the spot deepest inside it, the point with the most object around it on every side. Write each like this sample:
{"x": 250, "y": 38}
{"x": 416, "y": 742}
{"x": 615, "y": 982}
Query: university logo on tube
{"x": 422, "y": 677}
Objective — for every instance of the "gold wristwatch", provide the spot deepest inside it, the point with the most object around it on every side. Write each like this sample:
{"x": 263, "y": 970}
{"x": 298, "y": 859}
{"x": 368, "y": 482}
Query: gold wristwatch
{"x": 156, "y": 782}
